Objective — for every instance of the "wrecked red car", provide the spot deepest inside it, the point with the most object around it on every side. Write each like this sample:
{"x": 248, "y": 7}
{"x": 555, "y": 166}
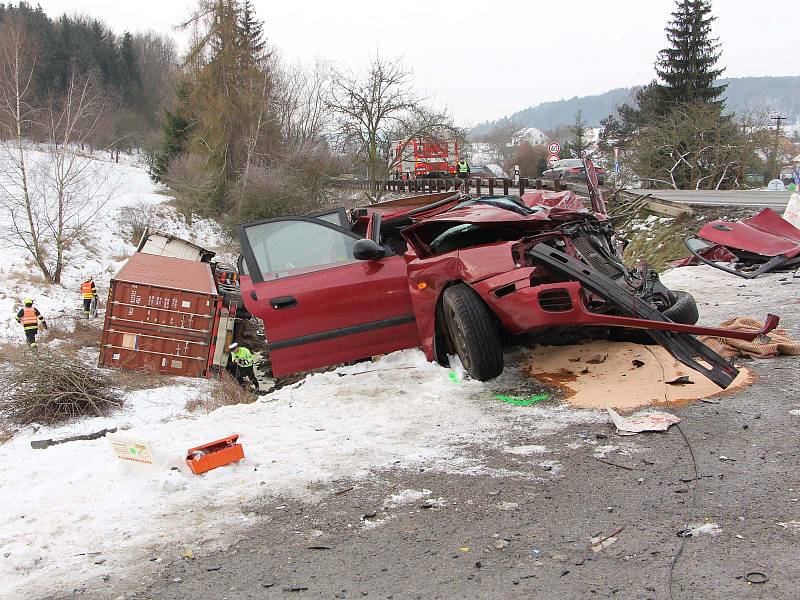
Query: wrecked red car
{"x": 453, "y": 275}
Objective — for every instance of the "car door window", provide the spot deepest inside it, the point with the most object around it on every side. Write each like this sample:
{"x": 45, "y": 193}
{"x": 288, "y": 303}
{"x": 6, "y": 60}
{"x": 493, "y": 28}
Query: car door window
{"x": 290, "y": 247}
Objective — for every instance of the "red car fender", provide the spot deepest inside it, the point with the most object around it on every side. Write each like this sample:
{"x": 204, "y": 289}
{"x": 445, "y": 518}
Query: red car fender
{"x": 429, "y": 277}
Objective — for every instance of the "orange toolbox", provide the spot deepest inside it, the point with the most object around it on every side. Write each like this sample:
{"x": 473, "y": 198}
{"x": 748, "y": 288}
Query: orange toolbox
{"x": 214, "y": 454}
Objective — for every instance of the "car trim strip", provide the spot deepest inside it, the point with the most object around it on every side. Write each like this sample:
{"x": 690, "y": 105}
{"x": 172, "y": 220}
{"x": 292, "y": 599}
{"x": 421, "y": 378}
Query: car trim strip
{"x": 343, "y": 331}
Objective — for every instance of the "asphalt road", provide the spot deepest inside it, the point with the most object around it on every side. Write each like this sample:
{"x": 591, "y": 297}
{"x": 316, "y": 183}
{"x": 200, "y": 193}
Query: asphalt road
{"x": 723, "y": 197}
{"x": 514, "y": 538}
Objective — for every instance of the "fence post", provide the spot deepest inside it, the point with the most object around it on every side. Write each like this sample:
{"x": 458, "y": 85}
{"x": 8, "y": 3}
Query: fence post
{"x": 491, "y": 186}
{"x": 478, "y": 186}
{"x": 557, "y": 185}
{"x": 523, "y": 183}
{"x": 538, "y": 184}
{"x": 505, "y": 186}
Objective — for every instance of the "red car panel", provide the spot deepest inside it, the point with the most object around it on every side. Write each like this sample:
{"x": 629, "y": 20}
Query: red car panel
{"x": 767, "y": 234}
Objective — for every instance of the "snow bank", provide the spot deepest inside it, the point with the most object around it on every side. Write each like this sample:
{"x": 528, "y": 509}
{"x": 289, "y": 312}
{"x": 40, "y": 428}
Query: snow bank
{"x": 399, "y": 412}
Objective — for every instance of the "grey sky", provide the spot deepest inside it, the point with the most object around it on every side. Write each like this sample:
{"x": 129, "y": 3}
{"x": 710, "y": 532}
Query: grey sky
{"x": 488, "y": 59}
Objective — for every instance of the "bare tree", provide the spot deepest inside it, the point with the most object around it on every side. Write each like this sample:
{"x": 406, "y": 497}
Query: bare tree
{"x": 301, "y": 102}
{"x": 693, "y": 147}
{"x": 375, "y": 106}
{"x": 17, "y": 66}
{"x": 74, "y": 188}
{"x": 193, "y": 184}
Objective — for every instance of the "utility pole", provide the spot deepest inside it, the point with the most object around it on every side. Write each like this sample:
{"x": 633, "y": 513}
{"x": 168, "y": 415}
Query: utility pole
{"x": 777, "y": 119}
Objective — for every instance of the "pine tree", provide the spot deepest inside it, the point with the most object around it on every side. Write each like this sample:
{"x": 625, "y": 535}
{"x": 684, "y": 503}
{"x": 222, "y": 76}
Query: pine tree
{"x": 251, "y": 31}
{"x": 578, "y": 142}
{"x": 130, "y": 78}
{"x": 176, "y": 128}
{"x": 687, "y": 67}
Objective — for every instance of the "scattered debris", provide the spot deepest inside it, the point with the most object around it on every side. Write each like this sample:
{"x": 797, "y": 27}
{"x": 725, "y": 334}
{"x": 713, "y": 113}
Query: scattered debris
{"x": 648, "y": 421}
{"x": 214, "y": 454}
{"x": 682, "y": 380}
{"x": 599, "y": 543}
{"x": 319, "y": 548}
{"x": 606, "y": 462}
{"x": 500, "y": 544}
{"x": 508, "y": 506}
{"x": 523, "y": 401}
{"x": 766, "y": 346}
{"x": 756, "y": 577}
{"x": 343, "y": 490}
{"x": 42, "y": 444}
{"x": 597, "y": 359}
{"x": 747, "y": 248}
{"x": 637, "y": 363}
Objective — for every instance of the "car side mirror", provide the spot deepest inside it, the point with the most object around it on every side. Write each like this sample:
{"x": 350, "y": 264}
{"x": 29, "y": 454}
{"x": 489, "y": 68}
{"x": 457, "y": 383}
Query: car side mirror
{"x": 368, "y": 250}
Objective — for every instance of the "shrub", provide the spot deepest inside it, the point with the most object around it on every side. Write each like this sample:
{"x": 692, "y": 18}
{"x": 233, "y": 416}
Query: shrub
{"x": 224, "y": 392}
{"x": 49, "y": 387}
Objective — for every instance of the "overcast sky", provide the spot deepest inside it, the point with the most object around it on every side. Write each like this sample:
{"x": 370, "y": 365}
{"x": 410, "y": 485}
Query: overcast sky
{"x": 488, "y": 59}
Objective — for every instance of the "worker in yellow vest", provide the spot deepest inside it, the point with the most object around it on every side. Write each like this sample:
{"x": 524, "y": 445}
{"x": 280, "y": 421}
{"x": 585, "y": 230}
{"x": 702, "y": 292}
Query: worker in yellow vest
{"x": 89, "y": 295}
{"x": 30, "y": 318}
{"x": 243, "y": 360}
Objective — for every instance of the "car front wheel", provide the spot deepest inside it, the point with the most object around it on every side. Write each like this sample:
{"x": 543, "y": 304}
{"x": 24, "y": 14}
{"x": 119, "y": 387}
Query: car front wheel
{"x": 473, "y": 332}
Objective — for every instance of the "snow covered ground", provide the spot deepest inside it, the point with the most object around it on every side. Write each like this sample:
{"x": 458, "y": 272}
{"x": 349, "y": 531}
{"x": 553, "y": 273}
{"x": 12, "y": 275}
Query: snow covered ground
{"x": 102, "y": 251}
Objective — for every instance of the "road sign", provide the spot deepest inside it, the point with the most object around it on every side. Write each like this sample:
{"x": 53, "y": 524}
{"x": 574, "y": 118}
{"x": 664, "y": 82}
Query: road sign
{"x": 554, "y": 148}
{"x": 552, "y": 159}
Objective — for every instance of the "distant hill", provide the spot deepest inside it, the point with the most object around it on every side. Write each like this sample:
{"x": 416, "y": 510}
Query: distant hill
{"x": 775, "y": 93}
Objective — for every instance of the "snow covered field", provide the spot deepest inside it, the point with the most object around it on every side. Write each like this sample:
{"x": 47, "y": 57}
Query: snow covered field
{"x": 102, "y": 251}
{"x": 73, "y": 513}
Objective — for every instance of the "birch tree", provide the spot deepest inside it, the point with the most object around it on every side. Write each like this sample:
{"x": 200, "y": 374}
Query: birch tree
{"x": 17, "y": 118}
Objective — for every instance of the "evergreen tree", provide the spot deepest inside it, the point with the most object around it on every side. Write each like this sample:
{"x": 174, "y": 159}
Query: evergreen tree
{"x": 578, "y": 141}
{"x": 687, "y": 67}
{"x": 176, "y": 129}
{"x": 251, "y": 31}
{"x": 130, "y": 78}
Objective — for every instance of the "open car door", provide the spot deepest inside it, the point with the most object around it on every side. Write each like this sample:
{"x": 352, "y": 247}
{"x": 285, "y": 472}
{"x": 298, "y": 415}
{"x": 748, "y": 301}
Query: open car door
{"x": 320, "y": 305}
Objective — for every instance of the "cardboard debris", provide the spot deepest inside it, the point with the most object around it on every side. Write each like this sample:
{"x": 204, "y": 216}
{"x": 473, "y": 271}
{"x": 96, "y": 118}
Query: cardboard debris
{"x": 131, "y": 450}
{"x": 648, "y": 421}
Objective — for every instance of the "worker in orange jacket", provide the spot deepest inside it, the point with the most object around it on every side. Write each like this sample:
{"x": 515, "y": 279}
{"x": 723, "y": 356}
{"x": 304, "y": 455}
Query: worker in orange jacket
{"x": 30, "y": 318}
{"x": 89, "y": 295}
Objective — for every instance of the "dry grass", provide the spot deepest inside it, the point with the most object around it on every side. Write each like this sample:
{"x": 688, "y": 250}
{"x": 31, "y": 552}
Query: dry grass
{"x": 75, "y": 333}
{"x": 224, "y": 392}
{"x": 131, "y": 380}
{"x": 50, "y": 387}
{"x": 5, "y": 434}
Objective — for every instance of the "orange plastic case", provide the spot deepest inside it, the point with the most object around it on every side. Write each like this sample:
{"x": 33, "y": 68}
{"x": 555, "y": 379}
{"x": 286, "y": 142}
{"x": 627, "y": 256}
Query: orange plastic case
{"x": 214, "y": 454}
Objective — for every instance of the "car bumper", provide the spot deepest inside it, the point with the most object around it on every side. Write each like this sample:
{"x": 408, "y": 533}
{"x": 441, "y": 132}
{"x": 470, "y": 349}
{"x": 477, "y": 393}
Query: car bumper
{"x": 525, "y": 308}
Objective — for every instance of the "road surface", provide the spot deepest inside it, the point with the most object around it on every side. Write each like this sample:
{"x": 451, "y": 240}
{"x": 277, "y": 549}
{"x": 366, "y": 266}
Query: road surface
{"x": 774, "y": 200}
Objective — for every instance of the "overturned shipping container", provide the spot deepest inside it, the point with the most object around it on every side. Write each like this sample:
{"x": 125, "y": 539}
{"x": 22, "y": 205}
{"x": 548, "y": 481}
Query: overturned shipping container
{"x": 164, "y": 314}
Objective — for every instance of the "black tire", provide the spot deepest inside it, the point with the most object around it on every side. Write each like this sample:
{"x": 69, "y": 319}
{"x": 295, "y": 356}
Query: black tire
{"x": 684, "y": 310}
{"x": 472, "y": 332}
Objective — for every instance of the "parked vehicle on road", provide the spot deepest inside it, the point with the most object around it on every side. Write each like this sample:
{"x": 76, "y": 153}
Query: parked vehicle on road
{"x": 453, "y": 275}
{"x": 571, "y": 169}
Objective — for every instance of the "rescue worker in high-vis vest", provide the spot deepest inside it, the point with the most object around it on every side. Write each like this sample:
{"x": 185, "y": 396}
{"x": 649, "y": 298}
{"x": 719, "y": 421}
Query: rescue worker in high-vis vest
{"x": 243, "y": 359}
{"x": 462, "y": 167}
{"x": 89, "y": 294}
{"x": 30, "y": 318}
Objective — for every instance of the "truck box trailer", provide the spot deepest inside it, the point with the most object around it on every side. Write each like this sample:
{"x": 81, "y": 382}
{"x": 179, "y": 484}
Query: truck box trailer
{"x": 165, "y": 314}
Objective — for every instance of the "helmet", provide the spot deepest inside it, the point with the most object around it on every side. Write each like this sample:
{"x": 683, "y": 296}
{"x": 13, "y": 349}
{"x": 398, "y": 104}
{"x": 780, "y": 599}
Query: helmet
{"x": 233, "y": 346}
{"x": 88, "y": 278}
{"x": 27, "y": 301}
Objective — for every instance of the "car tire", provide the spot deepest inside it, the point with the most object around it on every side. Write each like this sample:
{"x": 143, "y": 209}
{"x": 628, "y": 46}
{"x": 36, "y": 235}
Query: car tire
{"x": 684, "y": 310}
{"x": 473, "y": 332}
